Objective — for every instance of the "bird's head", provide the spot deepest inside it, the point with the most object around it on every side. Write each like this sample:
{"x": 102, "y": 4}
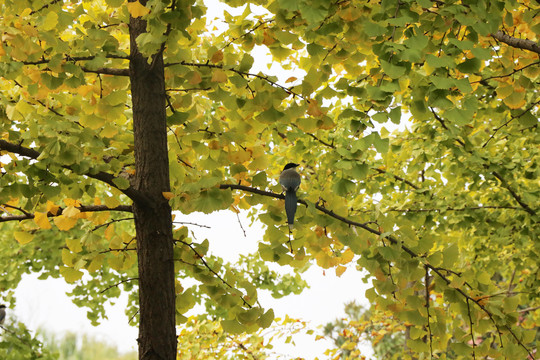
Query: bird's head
{"x": 290, "y": 166}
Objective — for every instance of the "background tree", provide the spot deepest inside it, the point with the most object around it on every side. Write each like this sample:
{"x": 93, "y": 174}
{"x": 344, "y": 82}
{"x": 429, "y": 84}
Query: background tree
{"x": 114, "y": 108}
{"x": 357, "y": 329}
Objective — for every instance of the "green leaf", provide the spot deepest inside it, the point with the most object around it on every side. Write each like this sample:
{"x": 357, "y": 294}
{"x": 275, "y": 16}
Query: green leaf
{"x": 394, "y": 71}
{"x": 266, "y": 319}
{"x": 177, "y": 118}
{"x": 70, "y": 274}
{"x": 232, "y": 326}
{"x": 343, "y": 186}
{"x": 121, "y": 183}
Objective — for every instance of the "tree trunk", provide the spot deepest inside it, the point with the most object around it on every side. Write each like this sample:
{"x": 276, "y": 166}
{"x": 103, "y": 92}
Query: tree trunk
{"x": 153, "y": 222}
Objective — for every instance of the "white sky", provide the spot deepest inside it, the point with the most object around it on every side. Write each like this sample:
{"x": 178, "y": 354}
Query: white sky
{"x": 44, "y": 303}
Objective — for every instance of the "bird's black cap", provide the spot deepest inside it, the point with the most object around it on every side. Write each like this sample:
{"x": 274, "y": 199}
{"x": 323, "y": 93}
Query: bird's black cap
{"x": 2, "y": 306}
{"x": 290, "y": 166}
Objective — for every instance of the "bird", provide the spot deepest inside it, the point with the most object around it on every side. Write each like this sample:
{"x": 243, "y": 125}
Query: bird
{"x": 2, "y": 313}
{"x": 290, "y": 181}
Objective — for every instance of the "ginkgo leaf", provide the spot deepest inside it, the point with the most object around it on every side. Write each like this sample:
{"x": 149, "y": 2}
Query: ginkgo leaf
{"x": 219, "y": 76}
{"x": 42, "y": 220}
{"x": 50, "y": 21}
{"x": 109, "y": 232}
{"x": 217, "y": 57}
{"x": 74, "y": 245}
{"x": 168, "y": 195}
{"x": 136, "y": 9}
{"x": 23, "y": 237}
{"x": 71, "y": 212}
{"x": 340, "y": 269}
{"x": 96, "y": 263}
{"x": 70, "y": 274}
{"x": 52, "y": 208}
{"x": 195, "y": 78}
{"x": 64, "y": 223}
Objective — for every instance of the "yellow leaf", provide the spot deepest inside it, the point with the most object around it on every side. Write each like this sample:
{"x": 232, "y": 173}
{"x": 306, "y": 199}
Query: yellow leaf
{"x": 72, "y": 202}
{"x": 136, "y": 9}
{"x": 52, "y": 208}
{"x": 50, "y": 22}
{"x": 71, "y": 275}
{"x": 74, "y": 245}
{"x": 71, "y": 212}
{"x": 116, "y": 262}
{"x": 112, "y": 202}
{"x": 64, "y": 223}
{"x": 96, "y": 263}
{"x": 313, "y": 109}
{"x": 68, "y": 257}
{"x": 268, "y": 39}
{"x": 116, "y": 242}
{"x": 23, "y": 237}
{"x": 340, "y": 270}
{"x": 109, "y": 232}
{"x": 195, "y": 78}
{"x": 167, "y": 195}
{"x": 347, "y": 256}
{"x": 350, "y": 13}
{"x": 217, "y": 57}
{"x": 42, "y": 220}
{"x": 515, "y": 100}
{"x": 109, "y": 130}
{"x": 291, "y": 79}
{"x": 219, "y": 76}
{"x": 504, "y": 91}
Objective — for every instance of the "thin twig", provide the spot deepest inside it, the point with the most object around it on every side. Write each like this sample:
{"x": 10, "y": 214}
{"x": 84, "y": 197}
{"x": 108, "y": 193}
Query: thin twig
{"x": 118, "y": 284}
{"x": 471, "y": 330}
{"x": 209, "y": 267}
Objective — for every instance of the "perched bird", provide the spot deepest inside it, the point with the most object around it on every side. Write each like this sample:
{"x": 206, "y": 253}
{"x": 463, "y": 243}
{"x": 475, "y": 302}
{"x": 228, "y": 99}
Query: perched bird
{"x": 2, "y": 313}
{"x": 290, "y": 181}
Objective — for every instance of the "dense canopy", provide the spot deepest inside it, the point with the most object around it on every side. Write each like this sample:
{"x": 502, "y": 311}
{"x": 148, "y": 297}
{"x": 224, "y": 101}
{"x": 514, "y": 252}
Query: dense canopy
{"x": 415, "y": 124}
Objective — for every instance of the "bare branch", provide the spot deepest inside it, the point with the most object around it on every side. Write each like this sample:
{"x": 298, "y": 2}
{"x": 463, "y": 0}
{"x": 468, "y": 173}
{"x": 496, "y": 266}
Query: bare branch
{"x": 118, "y": 284}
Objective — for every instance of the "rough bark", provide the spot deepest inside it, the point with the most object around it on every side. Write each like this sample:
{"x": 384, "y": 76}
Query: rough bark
{"x": 153, "y": 222}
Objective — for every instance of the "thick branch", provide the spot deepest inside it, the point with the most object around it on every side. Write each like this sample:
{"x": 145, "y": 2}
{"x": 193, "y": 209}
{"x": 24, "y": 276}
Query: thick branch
{"x": 101, "y": 176}
{"x": 516, "y": 43}
{"x": 107, "y": 71}
{"x": 82, "y": 208}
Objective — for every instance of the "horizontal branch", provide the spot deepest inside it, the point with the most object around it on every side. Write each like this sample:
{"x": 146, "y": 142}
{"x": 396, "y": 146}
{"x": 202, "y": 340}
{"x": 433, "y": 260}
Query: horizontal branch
{"x": 101, "y": 176}
{"x": 82, "y": 208}
{"x": 68, "y": 58}
{"x": 241, "y": 73}
{"x": 393, "y": 240}
{"x": 517, "y": 43}
{"x": 107, "y": 71}
{"x": 398, "y": 178}
{"x": 466, "y": 208}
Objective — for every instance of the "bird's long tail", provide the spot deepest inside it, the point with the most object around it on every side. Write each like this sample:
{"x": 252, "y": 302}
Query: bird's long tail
{"x": 290, "y": 207}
